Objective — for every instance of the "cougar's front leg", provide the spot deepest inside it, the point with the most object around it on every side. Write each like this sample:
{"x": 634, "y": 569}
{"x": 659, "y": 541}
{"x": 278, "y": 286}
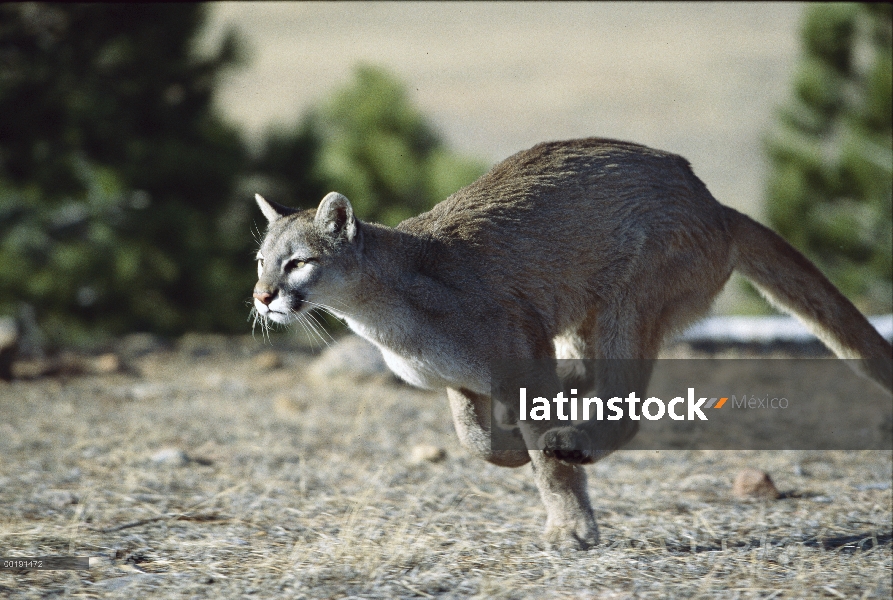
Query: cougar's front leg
{"x": 562, "y": 486}
{"x": 569, "y": 519}
{"x": 471, "y": 417}
{"x": 570, "y": 522}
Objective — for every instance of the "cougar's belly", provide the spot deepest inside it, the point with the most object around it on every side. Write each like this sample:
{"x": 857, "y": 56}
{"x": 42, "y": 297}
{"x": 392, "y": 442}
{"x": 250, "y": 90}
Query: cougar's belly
{"x": 433, "y": 372}
{"x": 433, "y": 365}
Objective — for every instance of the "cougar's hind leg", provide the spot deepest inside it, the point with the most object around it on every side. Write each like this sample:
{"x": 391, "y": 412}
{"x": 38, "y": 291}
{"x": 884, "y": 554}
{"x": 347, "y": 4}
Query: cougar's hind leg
{"x": 472, "y": 419}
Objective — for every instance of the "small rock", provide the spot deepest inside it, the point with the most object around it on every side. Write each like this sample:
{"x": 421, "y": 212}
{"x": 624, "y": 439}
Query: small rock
{"x": 9, "y": 342}
{"x": 145, "y": 391}
{"x": 58, "y": 499}
{"x": 285, "y": 405}
{"x": 351, "y": 357}
{"x": 68, "y": 364}
{"x": 65, "y": 364}
{"x": 107, "y": 364}
{"x": 31, "y": 338}
{"x": 73, "y": 476}
{"x": 882, "y": 485}
{"x": 173, "y": 457}
{"x": 753, "y": 483}
{"x": 267, "y": 361}
{"x": 137, "y": 345}
{"x": 427, "y": 453}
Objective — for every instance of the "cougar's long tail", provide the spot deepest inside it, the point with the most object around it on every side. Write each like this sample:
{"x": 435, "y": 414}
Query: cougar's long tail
{"x": 791, "y": 282}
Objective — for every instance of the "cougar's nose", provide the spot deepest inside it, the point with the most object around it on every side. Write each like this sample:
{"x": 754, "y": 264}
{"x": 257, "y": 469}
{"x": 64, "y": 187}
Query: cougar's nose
{"x": 265, "y": 297}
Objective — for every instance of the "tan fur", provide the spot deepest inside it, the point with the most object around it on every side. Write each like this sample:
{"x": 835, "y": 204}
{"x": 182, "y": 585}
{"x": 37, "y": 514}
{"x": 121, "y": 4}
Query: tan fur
{"x": 589, "y": 248}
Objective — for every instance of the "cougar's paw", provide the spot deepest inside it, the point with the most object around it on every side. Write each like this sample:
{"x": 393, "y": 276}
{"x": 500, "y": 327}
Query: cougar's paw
{"x": 580, "y": 535}
{"x": 567, "y": 444}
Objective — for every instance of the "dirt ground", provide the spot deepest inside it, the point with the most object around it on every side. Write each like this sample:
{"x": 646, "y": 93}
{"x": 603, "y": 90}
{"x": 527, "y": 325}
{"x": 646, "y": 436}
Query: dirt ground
{"x": 219, "y": 467}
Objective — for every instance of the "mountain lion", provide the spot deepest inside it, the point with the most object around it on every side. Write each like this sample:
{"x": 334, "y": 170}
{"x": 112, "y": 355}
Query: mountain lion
{"x": 589, "y": 248}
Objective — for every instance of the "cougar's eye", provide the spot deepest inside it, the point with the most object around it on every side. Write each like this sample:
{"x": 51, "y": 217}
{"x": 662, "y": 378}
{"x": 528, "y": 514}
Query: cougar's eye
{"x": 293, "y": 264}
{"x": 260, "y": 266}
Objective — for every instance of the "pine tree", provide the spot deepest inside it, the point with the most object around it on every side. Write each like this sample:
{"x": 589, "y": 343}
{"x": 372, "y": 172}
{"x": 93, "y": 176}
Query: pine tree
{"x": 831, "y": 182}
{"x": 116, "y": 174}
{"x": 382, "y": 153}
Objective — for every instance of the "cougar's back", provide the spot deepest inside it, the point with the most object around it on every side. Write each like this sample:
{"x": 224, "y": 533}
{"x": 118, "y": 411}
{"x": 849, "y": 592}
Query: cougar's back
{"x": 581, "y": 219}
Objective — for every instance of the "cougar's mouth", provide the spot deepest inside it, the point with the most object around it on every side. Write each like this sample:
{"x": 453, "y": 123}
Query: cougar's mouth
{"x": 280, "y": 317}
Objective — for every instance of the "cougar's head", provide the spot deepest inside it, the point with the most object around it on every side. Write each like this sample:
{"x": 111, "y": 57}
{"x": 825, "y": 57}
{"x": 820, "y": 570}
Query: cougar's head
{"x": 306, "y": 258}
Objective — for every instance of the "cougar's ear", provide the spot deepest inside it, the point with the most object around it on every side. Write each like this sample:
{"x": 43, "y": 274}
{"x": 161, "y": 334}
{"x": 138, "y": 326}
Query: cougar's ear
{"x": 334, "y": 217}
{"x": 271, "y": 210}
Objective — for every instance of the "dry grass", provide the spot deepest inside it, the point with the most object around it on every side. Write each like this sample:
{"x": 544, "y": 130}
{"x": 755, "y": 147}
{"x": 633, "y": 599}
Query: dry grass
{"x": 302, "y": 489}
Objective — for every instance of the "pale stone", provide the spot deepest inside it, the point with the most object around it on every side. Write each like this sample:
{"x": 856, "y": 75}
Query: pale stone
{"x": 753, "y": 483}
{"x": 427, "y": 453}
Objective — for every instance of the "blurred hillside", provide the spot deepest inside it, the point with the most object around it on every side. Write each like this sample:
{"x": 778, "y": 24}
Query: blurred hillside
{"x": 699, "y": 79}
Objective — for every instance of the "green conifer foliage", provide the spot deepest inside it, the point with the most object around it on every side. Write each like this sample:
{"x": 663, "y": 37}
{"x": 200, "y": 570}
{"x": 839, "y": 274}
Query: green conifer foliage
{"x": 830, "y": 189}
{"x": 381, "y": 152}
{"x": 115, "y": 172}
